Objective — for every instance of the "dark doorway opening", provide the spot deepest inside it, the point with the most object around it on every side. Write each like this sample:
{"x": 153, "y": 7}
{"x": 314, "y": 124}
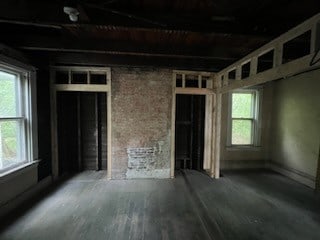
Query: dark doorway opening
{"x": 82, "y": 131}
{"x": 189, "y": 136}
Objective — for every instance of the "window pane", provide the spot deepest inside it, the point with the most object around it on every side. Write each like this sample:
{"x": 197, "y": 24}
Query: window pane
{"x": 10, "y": 143}
{"x": 9, "y": 106}
{"x": 241, "y": 132}
{"x": 242, "y": 105}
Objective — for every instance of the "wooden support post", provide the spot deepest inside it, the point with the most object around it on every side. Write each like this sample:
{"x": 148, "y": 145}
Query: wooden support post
{"x": 191, "y": 132}
{"x": 173, "y": 124}
{"x": 208, "y": 129}
{"x": 88, "y": 77}
{"x": 254, "y": 66}
{"x": 199, "y": 81}
{"x": 69, "y": 77}
{"x": 98, "y": 131}
{"x": 54, "y": 127}
{"x": 213, "y": 136}
{"x": 238, "y": 73}
{"x": 318, "y": 174}
{"x": 315, "y": 38}
{"x": 183, "y": 80}
{"x": 278, "y": 54}
{"x": 218, "y": 108}
{"x": 105, "y": 88}
{"x": 109, "y": 128}
{"x": 79, "y": 131}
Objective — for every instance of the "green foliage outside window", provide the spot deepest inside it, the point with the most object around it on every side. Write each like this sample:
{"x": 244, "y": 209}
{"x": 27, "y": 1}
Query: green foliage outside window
{"x": 8, "y": 128}
{"x": 242, "y": 118}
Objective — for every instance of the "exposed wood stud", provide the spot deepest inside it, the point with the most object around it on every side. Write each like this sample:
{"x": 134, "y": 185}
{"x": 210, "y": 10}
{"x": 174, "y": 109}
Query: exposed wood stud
{"x": 218, "y": 109}
{"x": 173, "y": 125}
{"x": 315, "y": 38}
{"x": 79, "y": 131}
{"x": 213, "y": 134}
{"x": 253, "y": 66}
{"x": 82, "y": 87}
{"x": 208, "y": 92}
{"x": 54, "y": 126}
{"x": 109, "y": 128}
{"x": 318, "y": 173}
{"x": 278, "y": 70}
{"x": 88, "y": 77}
{"x": 183, "y": 80}
{"x": 78, "y": 88}
{"x": 196, "y": 91}
{"x": 278, "y": 54}
{"x": 199, "y": 81}
{"x": 283, "y": 71}
{"x": 203, "y": 74}
{"x": 191, "y": 135}
{"x": 98, "y": 131}
{"x": 238, "y": 73}
{"x": 208, "y": 129}
{"x": 69, "y": 77}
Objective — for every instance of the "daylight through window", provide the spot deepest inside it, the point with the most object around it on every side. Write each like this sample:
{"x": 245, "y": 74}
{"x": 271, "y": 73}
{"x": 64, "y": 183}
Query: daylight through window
{"x": 243, "y": 117}
{"x": 13, "y": 120}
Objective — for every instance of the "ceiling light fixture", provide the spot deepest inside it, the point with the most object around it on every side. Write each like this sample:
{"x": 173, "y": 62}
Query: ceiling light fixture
{"x": 72, "y": 12}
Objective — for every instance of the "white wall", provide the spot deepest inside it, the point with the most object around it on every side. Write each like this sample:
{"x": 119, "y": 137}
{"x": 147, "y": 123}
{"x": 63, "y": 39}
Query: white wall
{"x": 296, "y": 124}
{"x": 248, "y": 158}
{"x": 16, "y": 183}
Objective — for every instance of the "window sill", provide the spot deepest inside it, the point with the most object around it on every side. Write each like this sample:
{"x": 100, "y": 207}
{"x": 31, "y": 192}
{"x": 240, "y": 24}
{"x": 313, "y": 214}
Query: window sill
{"x": 244, "y": 148}
{"x": 7, "y": 175}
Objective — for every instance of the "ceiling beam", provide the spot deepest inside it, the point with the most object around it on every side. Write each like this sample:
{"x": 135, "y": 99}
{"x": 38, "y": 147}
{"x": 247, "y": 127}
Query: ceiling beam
{"x": 44, "y": 59}
{"x": 124, "y": 47}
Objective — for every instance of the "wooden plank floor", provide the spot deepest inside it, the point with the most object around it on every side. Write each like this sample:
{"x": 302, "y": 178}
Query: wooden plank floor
{"x": 241, "y": 205}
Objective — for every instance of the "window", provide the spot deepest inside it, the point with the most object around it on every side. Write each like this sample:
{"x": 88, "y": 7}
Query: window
{"x": 243, "y": 124}
{"x": 14, "y": 119}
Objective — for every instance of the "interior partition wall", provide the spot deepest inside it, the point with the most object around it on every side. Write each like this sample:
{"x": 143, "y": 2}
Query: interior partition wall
{"x": 71, "y": 86}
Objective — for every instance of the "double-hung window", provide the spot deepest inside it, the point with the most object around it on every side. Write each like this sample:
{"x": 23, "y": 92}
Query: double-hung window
{"x": 15, "y": 125}
{"x": 244, "y": 118}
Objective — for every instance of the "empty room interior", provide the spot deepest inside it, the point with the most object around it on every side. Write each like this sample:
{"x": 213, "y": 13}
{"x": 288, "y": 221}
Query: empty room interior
{"x": 130, "y": 119}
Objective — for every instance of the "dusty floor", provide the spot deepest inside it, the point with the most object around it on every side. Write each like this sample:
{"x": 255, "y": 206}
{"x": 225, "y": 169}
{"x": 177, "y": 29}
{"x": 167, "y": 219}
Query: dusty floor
{"x": 241, "y": 205}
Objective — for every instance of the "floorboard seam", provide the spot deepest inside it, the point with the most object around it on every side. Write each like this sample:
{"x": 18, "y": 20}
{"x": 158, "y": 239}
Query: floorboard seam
{"x": 209, "y": 224}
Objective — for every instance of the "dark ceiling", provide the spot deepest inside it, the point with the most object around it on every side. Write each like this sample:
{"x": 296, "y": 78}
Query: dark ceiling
{"x": 202, "y": 35}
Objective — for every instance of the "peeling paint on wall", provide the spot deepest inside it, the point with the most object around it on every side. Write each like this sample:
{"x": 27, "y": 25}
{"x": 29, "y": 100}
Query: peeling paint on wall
{"x": 141, "y": 158}
{"x": 142, "y": 162}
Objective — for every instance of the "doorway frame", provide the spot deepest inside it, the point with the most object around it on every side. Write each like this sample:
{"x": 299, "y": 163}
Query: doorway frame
{"x": 70, "y": 87}
{"x": 210, "y": 115}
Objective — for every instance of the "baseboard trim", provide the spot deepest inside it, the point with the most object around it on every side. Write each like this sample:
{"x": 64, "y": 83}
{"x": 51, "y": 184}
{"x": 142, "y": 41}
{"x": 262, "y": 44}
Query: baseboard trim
{"x": 298, "y": 176}
{"x": 242, "y": 164}
{"x": 295, "y": 175}
{"x": 25, "y": 196}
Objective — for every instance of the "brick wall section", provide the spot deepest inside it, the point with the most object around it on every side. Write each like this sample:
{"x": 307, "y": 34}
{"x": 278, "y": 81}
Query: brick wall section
{"x": 141, "y": 120}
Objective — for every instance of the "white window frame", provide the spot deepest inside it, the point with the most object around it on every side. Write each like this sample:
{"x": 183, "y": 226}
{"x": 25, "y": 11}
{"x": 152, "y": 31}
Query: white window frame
{"x": 256, "y": 120}
{"x": 28, "y": 118}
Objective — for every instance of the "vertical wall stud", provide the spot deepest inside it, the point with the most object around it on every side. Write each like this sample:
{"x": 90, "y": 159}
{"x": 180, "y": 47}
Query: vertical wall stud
{"x": 183, "y": 80}
{"x": 98, "y": 131}
{"x": 253, "y": 66}
{"x": 79, "y": 131}
{"x": 208, "y": 128}
{"x": 318, "y": 174}
{"x": 54, "y": 126}
{"x": 238, "y": 72}
{"x": 199, "y": 81}
{"x": 278, "y": 54}
{"x": 109, "y": 129}
{"x": 173, "y": 122}
{"x": 218, "y": 108}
